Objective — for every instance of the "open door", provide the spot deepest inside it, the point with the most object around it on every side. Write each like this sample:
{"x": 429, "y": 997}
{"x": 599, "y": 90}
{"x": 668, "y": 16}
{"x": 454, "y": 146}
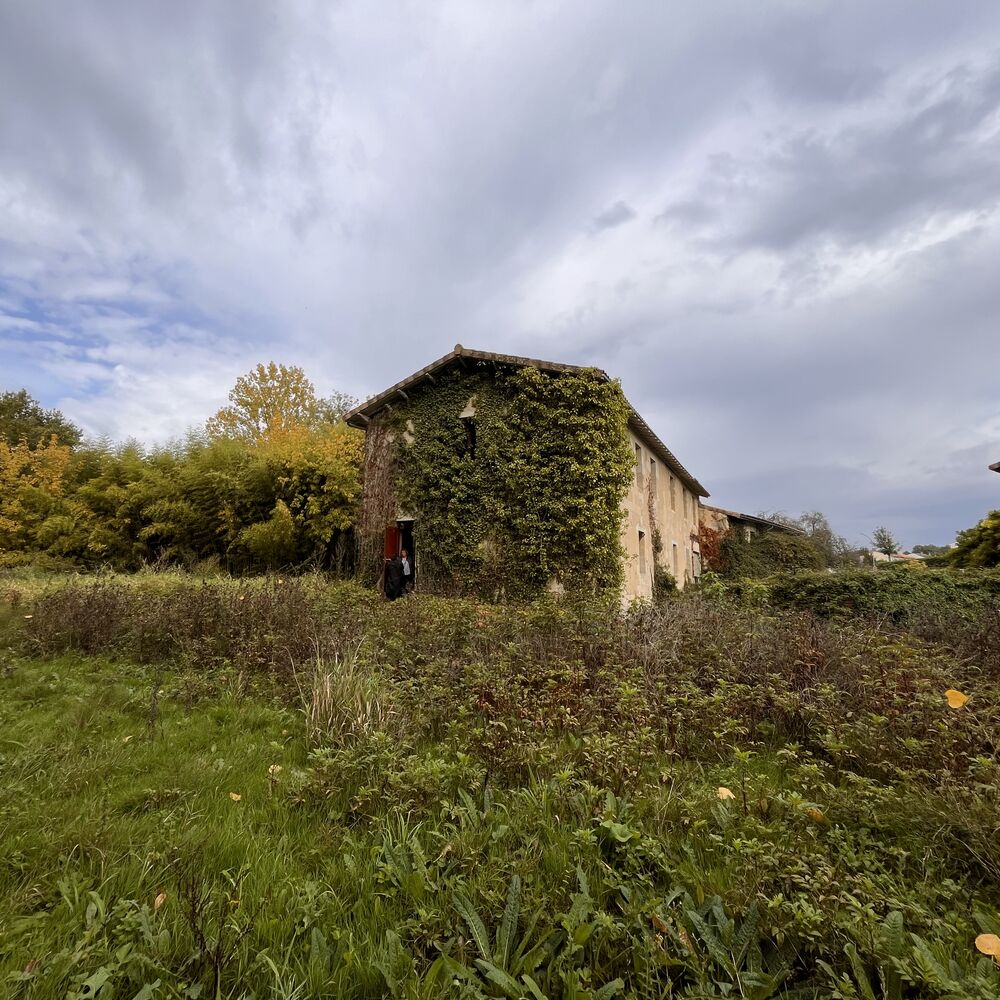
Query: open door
{"x": 406, "y": 542}
{"x": 391, "y": 541}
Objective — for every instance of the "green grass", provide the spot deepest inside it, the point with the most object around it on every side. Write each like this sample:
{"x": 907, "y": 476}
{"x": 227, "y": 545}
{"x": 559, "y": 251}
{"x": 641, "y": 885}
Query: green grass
{"x": 500, "y": 802}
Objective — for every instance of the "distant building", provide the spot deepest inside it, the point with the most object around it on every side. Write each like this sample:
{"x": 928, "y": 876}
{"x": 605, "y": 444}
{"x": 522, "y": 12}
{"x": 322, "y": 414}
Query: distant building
{"x": 747, "y": 525}
{"x": 897, "y": 557}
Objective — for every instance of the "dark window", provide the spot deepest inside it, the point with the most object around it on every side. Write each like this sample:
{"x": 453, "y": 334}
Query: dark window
{"x": 469, "y": 448}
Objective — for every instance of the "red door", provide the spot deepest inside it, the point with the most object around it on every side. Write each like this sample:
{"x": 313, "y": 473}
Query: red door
{"x": 391, "y": 541}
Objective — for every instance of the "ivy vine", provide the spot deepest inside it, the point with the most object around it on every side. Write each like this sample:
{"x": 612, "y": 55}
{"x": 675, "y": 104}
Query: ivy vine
{"x": 532, "y": 495}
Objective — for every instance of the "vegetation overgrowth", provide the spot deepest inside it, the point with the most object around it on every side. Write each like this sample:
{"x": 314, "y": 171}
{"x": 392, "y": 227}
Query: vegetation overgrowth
{"x": 525, "y": 490}
{"x": 275, "y": 787}
{"x": 272, "y": 481}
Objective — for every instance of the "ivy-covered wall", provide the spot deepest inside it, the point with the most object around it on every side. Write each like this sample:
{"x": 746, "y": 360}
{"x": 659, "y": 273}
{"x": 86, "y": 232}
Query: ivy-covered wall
{"x": 538, "y": 498}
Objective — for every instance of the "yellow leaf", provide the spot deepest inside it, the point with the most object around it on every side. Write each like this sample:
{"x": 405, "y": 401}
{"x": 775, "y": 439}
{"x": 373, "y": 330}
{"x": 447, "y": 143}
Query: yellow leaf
{"x": 235, "y": 796}
{"x": 127, "y": 739}
{"x": 955, "y": 698}
{"x": 725, "y": 793}
{"x": 989, "y": 944}
{"x": 28, "y": 617}
{"x": 159, "y": 901}
{"x": 816, "y": 815}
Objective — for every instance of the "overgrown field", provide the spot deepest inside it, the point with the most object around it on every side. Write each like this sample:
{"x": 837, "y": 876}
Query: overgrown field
{"x": 280, "y": 788}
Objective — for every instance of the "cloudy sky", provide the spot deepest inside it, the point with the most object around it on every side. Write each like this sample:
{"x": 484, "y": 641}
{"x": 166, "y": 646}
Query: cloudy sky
{"x": 777, "y": 223}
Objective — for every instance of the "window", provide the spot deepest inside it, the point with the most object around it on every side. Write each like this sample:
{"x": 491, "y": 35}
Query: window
{"x": 469, "y": 448}
{"x": 652, "y": 479}
{"x": 677, "y": 565}
{"x": 642, "y": 553}
{"x": 638, "y": 466}
{"x": 673, "y": 493}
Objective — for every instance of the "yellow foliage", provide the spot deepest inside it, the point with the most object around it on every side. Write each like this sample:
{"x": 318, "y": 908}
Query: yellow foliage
{"x": 955, "y": 698}
{"x": 725, "y": 793}
{"x": 266, "y": 402}
{"x": 32, "y": 484}
{"x": 989, "y": 944}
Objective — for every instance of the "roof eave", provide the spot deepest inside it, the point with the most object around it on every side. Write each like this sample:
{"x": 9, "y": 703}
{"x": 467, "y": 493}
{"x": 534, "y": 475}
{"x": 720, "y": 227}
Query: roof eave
{"x": 362, "y": 415}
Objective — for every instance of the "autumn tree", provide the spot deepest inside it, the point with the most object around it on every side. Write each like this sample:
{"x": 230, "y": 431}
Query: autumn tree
{"x": 266, "y": 402}
{"x": 32, "y": 494}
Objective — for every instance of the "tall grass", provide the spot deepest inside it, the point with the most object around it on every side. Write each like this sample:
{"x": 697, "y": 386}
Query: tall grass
{"x": 437, "y": 797}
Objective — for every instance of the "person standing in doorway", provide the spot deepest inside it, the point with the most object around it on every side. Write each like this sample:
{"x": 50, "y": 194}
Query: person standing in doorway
{"x": 407, "y": 572}
{"x": 394, "y": 577}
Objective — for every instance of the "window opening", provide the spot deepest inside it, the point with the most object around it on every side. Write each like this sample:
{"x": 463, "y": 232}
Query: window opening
{"x": 469, "y": 448}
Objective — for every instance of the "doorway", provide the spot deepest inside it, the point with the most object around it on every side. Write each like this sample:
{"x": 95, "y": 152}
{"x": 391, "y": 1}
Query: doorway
{"x": 405, "y": 529}
{"x": 399, "y": 536}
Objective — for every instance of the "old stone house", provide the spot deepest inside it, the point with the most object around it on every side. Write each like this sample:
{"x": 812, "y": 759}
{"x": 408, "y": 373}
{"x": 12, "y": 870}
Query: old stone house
{"x": 720, "y": 520}
{"x": 467, "y": 469}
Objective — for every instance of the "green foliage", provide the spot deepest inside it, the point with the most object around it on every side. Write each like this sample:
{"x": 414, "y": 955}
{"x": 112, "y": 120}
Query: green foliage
{"x": 766, "y": 553}
{"x": 271, "y": 543}
{"x": 979, "y": 546}
{"x": 885, "y": 542}
{"x": 288, "y": 501}
{"x": 539, "y": 496}
{"x": 441, "y": 797}
{"x": 23, "y": 419}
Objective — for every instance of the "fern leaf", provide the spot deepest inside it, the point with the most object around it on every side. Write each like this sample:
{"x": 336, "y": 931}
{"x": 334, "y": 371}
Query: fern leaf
{"x": 508, "y": 926}
{"x": 743, "y": 937}
{"x": 607, "y": 991}
{"x": 711, "y": 942}
{"x": 510, "y": 986}
{"x": 892, "y": 936}
{"x": 475, "y": 924}
{"x": 533, "y": 986}
{"x": 860, "y": 975}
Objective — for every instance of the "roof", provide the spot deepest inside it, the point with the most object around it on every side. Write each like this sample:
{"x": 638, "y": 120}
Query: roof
{"x": 361, "y": 415}
{"x": 764, "y": 522}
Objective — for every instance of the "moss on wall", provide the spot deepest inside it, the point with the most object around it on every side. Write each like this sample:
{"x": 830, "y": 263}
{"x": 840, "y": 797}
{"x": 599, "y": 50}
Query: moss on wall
{"x": 540, "y": 499}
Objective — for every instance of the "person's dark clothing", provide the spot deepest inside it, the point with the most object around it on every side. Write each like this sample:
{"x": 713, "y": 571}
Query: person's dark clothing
{"x": 394, "y": 578}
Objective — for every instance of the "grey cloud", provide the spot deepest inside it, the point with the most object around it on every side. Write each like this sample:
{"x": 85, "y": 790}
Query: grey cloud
{"x": 188, "y": 188}
{"x": 939, "y": 153}
{"x": 614, "y": 215}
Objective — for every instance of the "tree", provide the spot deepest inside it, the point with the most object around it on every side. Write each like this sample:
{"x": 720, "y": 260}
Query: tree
{"x": 266, "y": 402}
{"x": 334, "y": 408}
{"x": 931, "y": 550}
{"x": 885, "y": 542}
{"x": 22, "y": 418}
{"x": 833, "y": 549}
{"x": 979, "y": 546}
{"x": 32, "y": 488}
